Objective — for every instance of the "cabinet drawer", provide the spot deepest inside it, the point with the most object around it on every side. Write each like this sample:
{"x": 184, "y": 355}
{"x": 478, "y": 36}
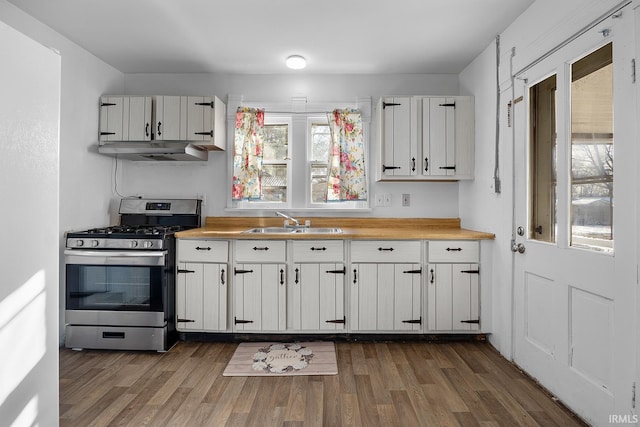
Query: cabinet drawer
{"x": 318, "y": 251}
{"x": 261, "y": 251}
{"x": 203, "y": 250}
{"x": 454, "y": 251}
{"x": 385, "y": 251}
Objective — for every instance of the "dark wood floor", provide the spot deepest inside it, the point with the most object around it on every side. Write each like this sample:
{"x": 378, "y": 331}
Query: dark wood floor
{"x": 378, "y": 384}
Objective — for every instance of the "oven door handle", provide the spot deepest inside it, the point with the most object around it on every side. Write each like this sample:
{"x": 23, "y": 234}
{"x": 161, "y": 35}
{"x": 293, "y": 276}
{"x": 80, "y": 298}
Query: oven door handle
{"x": 152, "y": 258}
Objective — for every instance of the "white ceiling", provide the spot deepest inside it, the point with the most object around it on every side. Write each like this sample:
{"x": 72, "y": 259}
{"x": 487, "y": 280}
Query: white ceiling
{"x": 255, "y": 36}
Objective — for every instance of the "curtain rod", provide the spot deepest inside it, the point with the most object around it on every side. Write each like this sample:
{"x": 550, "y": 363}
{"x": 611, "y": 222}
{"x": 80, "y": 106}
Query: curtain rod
{"x": 588, "y": 27}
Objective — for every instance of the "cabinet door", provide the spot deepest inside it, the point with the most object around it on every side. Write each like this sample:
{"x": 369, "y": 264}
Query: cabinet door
{"x": 438, "y": 136}
{"x": 315, "y": 297}
{"x": 453, "y": 295}
{"x": 201, "y": 297}
{"x": 125, "y": 118}
{"x": 386, "y": 297}
{"x": 259, "y": 297}
{"x": 139, "y": 118}
{"x": 171, "y": 117}
{"x": 398, "y": 133}
{"x": 448, "y": 137}
{"x": 111, "y": 119}
{"x": 199, "y": 118}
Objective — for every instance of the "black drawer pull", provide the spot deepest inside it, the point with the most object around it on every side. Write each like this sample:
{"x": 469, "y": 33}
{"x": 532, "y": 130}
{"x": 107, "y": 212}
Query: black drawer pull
{"x": 385, "y": 249}
{"x": 200, "y": 248}
{"x": 258, "y": 248}
{"x": 319, "y": 249}
{"x": 454, "y": 249}
{"x": 116, "y": 335}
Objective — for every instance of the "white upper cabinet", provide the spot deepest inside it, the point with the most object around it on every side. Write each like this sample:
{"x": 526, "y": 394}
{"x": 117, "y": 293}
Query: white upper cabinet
{"x": 198, "y": 119}
{"x": 398, "y": 130}
{"x": 125, "y": 118}
{"x": 425, "y": 138}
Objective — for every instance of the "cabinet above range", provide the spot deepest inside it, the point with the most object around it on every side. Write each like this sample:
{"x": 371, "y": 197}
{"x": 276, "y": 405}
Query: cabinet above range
{"x": 161, "y": 127}
{"x": 426, "y": 138}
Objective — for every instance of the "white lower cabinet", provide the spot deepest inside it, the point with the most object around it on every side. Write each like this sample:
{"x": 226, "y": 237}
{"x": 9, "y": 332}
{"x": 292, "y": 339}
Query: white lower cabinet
{"x": 202, "y": 282}
{"x": 453, "y": 297}
{"x": 259, "y": 294}
{"x": 259, "y": 289}
{"x": 201, "y": 297}
{"x": 453, "y": 286}
{"x": 315, "y": 297}
{"x": 385, "y": 297}
{"x": 386, "y": 292}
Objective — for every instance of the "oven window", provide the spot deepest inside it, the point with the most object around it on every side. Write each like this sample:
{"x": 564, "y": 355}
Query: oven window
{"x": 111, "y": 287}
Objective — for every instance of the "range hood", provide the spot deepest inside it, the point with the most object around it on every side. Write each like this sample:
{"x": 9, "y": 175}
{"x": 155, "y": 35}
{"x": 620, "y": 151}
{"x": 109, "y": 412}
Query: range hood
{"x": 154, "y": 151}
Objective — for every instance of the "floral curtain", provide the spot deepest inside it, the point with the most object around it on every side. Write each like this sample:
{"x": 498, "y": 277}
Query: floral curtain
{"x": 346, "y": 175}
{"x": 247, "y": 154}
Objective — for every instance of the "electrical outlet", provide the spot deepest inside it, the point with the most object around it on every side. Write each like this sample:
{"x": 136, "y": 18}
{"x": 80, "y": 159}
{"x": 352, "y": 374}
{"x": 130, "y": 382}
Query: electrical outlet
{"x": 387, "y": 199}
{"x": 406, "y": 199}
{"x": 379, "y": 200}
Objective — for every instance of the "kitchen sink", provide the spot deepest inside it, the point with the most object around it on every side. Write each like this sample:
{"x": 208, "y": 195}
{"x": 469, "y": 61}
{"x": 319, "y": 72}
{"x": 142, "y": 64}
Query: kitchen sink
{"x": 290, "y": 230}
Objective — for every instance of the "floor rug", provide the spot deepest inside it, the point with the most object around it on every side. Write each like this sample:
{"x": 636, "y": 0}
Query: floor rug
{"x": 273, "y": 359}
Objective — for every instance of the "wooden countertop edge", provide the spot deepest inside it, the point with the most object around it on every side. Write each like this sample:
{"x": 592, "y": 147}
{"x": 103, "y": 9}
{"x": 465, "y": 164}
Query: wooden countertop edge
{"x": 353, "y": 228}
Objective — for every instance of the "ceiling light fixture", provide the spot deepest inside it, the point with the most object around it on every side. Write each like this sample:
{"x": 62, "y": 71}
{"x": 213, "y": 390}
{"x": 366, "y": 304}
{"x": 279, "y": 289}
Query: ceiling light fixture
{"x": 296, "y": 62}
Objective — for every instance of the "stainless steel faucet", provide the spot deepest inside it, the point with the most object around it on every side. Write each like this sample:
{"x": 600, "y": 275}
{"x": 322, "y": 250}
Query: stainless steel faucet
{"x": 290, "y": 218}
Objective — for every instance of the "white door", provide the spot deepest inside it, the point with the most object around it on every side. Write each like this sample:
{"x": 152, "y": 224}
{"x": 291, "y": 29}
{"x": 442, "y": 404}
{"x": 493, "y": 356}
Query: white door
{"x": 577, "y": 271}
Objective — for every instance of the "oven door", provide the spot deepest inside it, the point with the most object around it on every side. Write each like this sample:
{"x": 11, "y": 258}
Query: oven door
{"x": 116, "y": 287}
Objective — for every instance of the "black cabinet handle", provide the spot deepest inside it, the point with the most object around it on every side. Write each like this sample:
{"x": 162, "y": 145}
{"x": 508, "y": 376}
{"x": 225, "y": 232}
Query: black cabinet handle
{"x": 158, "y": 132}
{"x": 297, "y": 275}
{"x": 426, "y": 164}
{"x": 413, "y": 164}
{"x": 355, "y": 276}
{"x": 209, "y": 133}
{"x": 180, "y": 270}
{"x": 281, "y": 277}
{"x": 237, "y": 271}
{"x": 146, "y": 129}
{"x": 433, "y": 276}
{"x": 222, "y": 277}
{"x": 385, "y": 167}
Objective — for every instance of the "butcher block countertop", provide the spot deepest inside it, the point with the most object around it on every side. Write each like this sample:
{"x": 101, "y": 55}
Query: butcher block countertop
{"x": 352, "y": 228}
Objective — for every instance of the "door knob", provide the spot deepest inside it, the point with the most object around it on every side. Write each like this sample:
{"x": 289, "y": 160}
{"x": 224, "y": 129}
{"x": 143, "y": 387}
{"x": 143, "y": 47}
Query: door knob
{"x": 519, "y": 247}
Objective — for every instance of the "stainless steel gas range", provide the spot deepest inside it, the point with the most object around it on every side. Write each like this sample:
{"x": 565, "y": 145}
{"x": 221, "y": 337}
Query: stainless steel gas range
{"x": 120, "y": 280}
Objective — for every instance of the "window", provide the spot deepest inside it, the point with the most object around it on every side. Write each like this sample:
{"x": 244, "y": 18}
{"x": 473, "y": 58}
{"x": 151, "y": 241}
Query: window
{"x": 543, "y": 180}
{"x": 275, "y": 169}
{"x": 592, "y": 151}
{"x": 295, "y": 164}
{"x": 320, "y": 143}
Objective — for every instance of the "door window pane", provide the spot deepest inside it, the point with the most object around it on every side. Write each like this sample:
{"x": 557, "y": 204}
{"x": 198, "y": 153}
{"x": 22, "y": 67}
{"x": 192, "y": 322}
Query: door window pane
{"x": 592, "y": 151}
{"x": 542, "y": 167}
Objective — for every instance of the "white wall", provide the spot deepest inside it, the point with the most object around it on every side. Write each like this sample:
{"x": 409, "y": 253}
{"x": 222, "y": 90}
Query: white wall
{"x": 29, "y": 172}
{"x": 85, "y": 176}
{"x": 211, "y": 179}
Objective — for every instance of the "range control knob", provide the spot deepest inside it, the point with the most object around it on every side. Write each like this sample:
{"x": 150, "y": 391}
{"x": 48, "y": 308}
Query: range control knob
{"x": 95, "y": 243}
{"x": 148, "y": 244}
{"x": 133, "y": 244}
{"x": 79, "y": 242}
